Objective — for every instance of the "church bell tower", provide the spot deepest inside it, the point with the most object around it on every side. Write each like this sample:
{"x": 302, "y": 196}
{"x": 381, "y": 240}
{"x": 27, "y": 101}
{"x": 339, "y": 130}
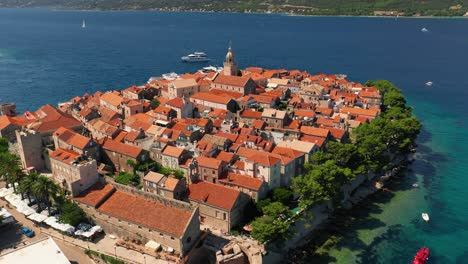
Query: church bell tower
{"x": 230, "y": 66}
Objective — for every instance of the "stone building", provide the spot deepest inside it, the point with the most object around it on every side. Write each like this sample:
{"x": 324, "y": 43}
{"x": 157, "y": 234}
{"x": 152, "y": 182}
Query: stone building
{"x": 173, "y": 156}
{"x": 73, "y": 171}
{"x": 117, "y": 154}
{"x": 133, "y": 214}
{"x": 220, "y": 207}
{"x": 275, "y": 118}
{"x": 31, "y": 149}
{"x": 183, "y": 87}
{"x": 68, "y": 139}
{"x": 211, "y": 169}
{"x": 166, "y": 186}
{"x": 256, "y": 188}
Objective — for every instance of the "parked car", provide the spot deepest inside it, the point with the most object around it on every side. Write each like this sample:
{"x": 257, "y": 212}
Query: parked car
{"x": 27, "y": 232}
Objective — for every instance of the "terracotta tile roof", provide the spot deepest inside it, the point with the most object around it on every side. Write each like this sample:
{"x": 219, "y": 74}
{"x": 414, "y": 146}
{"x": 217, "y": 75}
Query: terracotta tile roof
{"x": 243, "y": 181}
{"x": 171, "y": 183}
{"x": 50, "y": 118}
{"x": 304, "y": 113}
{"x": 251, "y": 114}
{"x": 325, "y": 122}
{"x": 213, "y": 194}
{"x": 133, "y": 89}
{"x": 72, "y": 138}
{"x": 273, "y": 113}
{"x": 362, "y": 119}
{"x": 120, "y": 137}
{"x": 132, "y": 136}
{"x": 17, "y": 121}
{"x": 295, "y": 124}
{"x": 217, "y": 122}
{"x": 230, "y": 136}
{"x": 128, "y": 150}
{"x": 112, "y": 99}
{"x": 314, "y": 131}
{"x": 360, "y": 111}
{"x": 288, "y": 152}
{"x": 183, "y": 83}
{"x": 65, "y": 155}
{"x": 258, "y": 124}
{"x": 324, "y": 111}
{"x": 153, "y": 215}
{"x": 232, "y": 80}
{"x": 162, "y": 110}
{"x": 225, "y": 156}
{"x": 104, "y": 127}
{"x": 337, "y": 133}
{"x": 210, "y": 97}
{"x": 176, "y": 102}
{"x": 319, "y": 141}
{"x": 209, "y": 162}
{"x": 173, "y": 151}
{"x": 95, "y": 195}
{"x": 302, "y": 146}
{"x": 153, "y": 177}
{"x": 108, "y": 114}
{"x": 239, "y": 164}
{"x": 264, "y": 160}
{"x": 226, "y": 93}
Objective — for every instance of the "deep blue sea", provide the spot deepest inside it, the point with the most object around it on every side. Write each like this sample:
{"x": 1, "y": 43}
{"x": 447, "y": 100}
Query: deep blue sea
{"x": 46, "y": 57}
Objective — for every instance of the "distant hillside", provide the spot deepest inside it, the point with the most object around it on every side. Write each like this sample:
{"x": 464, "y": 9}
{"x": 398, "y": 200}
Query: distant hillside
{"x": 302, "y": 7}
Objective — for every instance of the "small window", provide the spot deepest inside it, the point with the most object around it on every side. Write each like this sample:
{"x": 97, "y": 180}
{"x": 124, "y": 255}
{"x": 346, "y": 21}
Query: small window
{"x": 139, "y": 227}
{"x": 172, "y": 238}
{"x": 161, "y": 234}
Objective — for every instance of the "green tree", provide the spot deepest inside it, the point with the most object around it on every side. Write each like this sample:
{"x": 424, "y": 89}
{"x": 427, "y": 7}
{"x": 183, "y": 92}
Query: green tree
{"x": 321, "y": 183}
{"x": 266, "y": 228}
{"x": 46, "y": 190}
{"x": 4, "y": 145}
{"x": 155, "y": 103}
{"x": 275, "y": 209}
{"x": 10, "y": 170}
{"x": 282, "y": 195}
{"x": 71, "y": 213}
{"x": 262, "y": 203}
{"x": 27, "y": 183}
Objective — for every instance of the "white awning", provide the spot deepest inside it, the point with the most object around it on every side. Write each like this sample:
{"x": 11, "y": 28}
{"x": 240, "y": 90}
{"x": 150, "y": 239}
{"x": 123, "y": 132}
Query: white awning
{"x": 5, "y": 191}
{"x": 37, "y": 217}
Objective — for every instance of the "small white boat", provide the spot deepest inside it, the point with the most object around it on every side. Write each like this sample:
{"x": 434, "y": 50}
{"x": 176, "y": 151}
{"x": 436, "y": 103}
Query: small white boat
{"x": 424, "y": 30}
{"x": 425, "y": 217}
{"x": 429, "y": 83}
{"x": 415, "y": 185}
{"x": 83, "y": 25}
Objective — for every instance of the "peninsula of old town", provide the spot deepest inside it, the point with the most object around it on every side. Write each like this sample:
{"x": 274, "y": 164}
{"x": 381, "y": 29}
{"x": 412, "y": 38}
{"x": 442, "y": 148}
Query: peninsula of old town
{"x": 223, "y": 165}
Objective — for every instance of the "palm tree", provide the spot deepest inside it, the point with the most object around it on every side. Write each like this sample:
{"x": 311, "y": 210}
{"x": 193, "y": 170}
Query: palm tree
{"x": 27, "y": 183}
{"x": 45, "y": 189}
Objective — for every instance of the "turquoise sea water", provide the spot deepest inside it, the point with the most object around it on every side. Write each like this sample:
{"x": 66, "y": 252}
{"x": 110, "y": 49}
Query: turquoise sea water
{"x": 46, "y": 57}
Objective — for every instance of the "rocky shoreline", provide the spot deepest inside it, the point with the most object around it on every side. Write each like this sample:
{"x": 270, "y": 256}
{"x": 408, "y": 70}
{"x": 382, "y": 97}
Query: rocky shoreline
{"x": 328, "y": 222}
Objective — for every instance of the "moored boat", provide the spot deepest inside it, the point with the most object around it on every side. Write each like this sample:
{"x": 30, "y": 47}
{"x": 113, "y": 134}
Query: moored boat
{"x": 425, "y": 217}
{"x": 196, "y": 57}
{"x": 422, "y": 256}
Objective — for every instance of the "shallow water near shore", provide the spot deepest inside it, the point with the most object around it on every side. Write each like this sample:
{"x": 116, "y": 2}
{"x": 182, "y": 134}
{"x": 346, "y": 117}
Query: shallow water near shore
{"x": 46, "y": 57}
